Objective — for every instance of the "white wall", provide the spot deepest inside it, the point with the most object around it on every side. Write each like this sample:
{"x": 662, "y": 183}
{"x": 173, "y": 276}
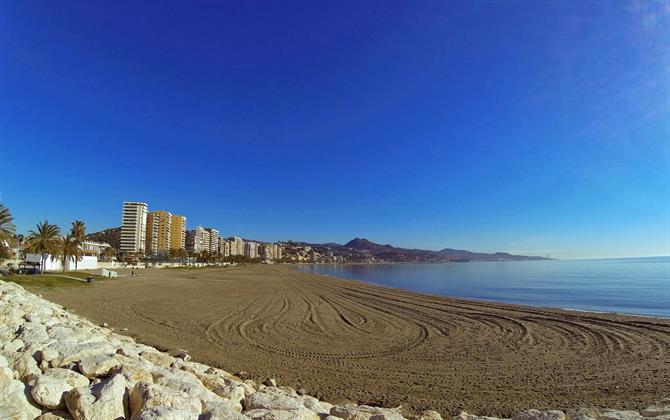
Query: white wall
{"x": 86, "y": 263}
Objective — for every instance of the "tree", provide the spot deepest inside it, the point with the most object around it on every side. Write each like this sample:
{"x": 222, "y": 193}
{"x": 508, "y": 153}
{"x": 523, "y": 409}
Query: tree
{"x": 109, "y": 253}
{"x": 7, "y": 228}
{"x": 78, "y": 230}
{"x": 70, "y": 247}
{"x": 44, "y": 241}
{"x": 77, "y": 233}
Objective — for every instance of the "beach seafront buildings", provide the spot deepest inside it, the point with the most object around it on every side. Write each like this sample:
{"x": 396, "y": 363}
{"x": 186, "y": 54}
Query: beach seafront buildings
{"x": 156, "y": 233}
{"x": 151, "y": 233}
{"x": 134, "y": 227}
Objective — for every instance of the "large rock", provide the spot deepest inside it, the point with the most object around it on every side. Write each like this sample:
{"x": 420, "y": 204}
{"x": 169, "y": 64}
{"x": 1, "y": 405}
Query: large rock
{"x": 14, "y": 398}
{"x": 165, "y": 413}
{"x": 105, "y": 400}
{"x": 145, "y": 396}
{"x": 364, "y": 412}
{"x": 431, "y": 415}
{"x": 661, "y": 408}
{"x": 619, "y": 415}
{"x": 272, "y": 398}
{"x": 319, "y": 407}
{"x": 74, "y": 351}
{"x": 223, "y": 411}
{"x": 25, "y": 367}
{"x": 267, "y": 414}
{"x": 95, "y": 366}
{"x": 461, "y": 416}
{"x": 158, "y": 358}
{"x": 49, "y": 389}
{"x": 55, "y": 415}
{"x": 185, "y": 382}
{"x": 540, "y": 415}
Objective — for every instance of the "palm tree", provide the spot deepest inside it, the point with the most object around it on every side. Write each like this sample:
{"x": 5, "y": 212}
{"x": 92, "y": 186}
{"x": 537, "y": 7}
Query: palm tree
{"x": 44, "y": 241}
{"x": 181, "y": 253}
{"x": 6, "y": 226}
{"x": 109, "y": 253}
{"x": 69, "y": 247}
{"x": 78, "y": 230}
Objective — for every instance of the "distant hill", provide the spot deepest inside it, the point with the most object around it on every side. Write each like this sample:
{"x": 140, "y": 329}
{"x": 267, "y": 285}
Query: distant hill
{"x": 390, "y": 253}
{"x": 112, "y": 236}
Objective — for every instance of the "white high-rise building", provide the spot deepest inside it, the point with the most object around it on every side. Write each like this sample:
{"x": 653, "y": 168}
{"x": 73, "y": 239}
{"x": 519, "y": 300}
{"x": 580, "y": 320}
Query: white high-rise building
{"x": 236, "y": 246}
{"x": 198, "y": 240}
{"x": 213, "y": 240}
{"x": 134, "y": 227}
{"x": 251, "y": 249}
{"x": 224, "y": 247}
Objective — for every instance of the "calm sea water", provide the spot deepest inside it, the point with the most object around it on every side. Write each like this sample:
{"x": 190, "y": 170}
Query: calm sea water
{"x": 624, "y": 285}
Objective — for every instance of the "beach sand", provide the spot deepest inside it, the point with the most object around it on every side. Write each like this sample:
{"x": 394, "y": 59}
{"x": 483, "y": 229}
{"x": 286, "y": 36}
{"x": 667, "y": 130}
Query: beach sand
{"x": 343, "y": 340}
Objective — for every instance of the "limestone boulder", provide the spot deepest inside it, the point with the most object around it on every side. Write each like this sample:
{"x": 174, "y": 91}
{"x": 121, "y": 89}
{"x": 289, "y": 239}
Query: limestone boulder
{"x": 158, "y": 358}
{"x": 429, "y": 415}
{"x": 267, "y": 414}
{"x": 25, "y": 367}
{"x": 100, "y": 365}
{"x": 223, "y": 411}
{"x": 105, "y": 400}
{"x": 271, "y": 398}
{"x": 165, "y": 413}
{"x": 49, "y": 389}
{"x": 55, "y": 415}
{"x": 461, "y": 416}
{"x": 15, "y": 403}
{"x": 540, "y": 415}
{"x": 619, "y": 415}
{"x": 661, "y": 408}
{"x": 364, "y": 412}
{"x": 145, "y": 395}
{"x": 319, "y": 407}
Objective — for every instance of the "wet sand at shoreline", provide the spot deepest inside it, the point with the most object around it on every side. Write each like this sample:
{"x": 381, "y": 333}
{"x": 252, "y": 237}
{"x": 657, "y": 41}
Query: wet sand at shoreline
{"x": 346, "y": 340}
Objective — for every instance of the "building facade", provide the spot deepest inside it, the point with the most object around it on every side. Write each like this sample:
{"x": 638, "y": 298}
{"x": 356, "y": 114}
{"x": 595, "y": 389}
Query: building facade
{"x": 236, "y": 246}
{"x": 224, "y": 247}
{"x": 198, "y": 240}
{"x": 251, "y": 249}
{"x": 178, "y": 232}
{"x": 133, "y": 227}
{"x": 213, "y": 240}
{"x": 151, "y": 242}
{"x": 164, "y": 219}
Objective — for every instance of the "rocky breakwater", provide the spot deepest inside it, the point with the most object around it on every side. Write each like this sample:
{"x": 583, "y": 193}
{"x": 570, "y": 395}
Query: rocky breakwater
{"x": 56, "y": 365}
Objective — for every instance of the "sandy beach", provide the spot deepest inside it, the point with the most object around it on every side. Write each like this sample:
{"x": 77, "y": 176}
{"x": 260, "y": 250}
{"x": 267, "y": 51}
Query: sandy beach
{"x": 343, "y": 340}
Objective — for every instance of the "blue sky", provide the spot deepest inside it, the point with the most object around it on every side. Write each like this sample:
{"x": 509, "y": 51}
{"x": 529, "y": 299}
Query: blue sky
{"x": 522, "y": 126}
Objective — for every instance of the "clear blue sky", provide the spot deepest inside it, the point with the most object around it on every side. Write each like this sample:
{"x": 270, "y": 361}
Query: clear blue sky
{"x": 524, "y": 126}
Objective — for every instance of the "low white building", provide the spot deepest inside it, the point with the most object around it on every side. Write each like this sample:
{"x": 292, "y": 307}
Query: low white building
{"x": 87, "y": 262}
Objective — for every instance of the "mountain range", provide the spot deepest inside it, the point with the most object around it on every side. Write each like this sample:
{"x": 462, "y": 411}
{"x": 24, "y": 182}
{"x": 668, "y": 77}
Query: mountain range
{"x": 395, "y": 254}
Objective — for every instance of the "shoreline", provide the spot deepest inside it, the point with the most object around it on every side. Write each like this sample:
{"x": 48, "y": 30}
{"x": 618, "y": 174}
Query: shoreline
{"x": 388, "y": 346}
{"x": 491, "y": 301}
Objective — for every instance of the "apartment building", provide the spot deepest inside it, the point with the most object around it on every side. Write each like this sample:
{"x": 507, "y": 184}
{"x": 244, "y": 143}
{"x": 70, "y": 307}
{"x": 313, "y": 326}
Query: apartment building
{"x": 236, "y": 246}
{"x": 178, "y": 232}
{"x": 133, "y": 227}
{"x": 213, "y": 240}
{"x": 198, "y": 240}
{"x": 164, "y": 219}
{"x": 151, "y": 242}
{"x": 224, "y": 247}
{"x": 251, "y": 249}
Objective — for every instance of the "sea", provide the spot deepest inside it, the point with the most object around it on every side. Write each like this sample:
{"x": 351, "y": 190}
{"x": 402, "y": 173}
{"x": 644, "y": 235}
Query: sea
{"x": 639, "y": 286}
